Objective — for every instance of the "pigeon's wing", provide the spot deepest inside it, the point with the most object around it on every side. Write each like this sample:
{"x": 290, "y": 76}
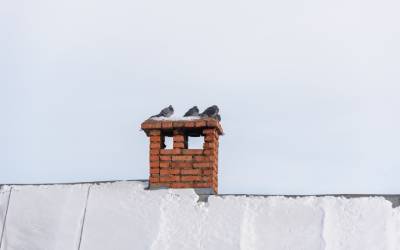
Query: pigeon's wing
{"x": 192, "y": 112}
{"x": 165, "y": 112}
{"x": 169, "y": 111}
{"x": 211, "y": 111}
{"x": 216, "y": 109}
{"x": 207, "y": 111}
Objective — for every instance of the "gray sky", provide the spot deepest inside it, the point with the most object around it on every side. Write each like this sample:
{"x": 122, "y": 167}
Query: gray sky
{"x": 309, "y": 90}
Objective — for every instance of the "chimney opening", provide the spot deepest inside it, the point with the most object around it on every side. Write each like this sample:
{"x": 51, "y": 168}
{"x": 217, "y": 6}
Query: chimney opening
{"x": 195, "y": 142}
{"x": 168, "y": 142}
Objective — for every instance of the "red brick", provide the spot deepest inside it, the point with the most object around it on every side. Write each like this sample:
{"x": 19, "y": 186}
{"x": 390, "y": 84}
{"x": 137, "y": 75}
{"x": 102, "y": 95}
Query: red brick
{"x": 209, "y": 131}
{"x": 174, "y": 178}
{"x": 155, "y": 138}
{"x": 192, "y": 151}
{"x": 154, "y": 171}
{"x": 178, "y": 124}
{"x": 179, "y": 138}
{"x": 174, "y": 171}
{"x": 190, "y": 171}
{"x": 145, "y": 125}
{"x": 213, "y": 158}
{"x": 209, "y": 139}
{"x": 181, "y": 158}
{"x": 154, "y": 164}
{"x": 179, "y": 145}
{"x": 154, "y": 151}
{"x": 209, "y": 145}
{"x": 154, "y": 145}
{"x": 207, "y": 172}
{"x": 169, "y": 178}
{"x": 182, "y": 164}
{"x": 190, "y": 178}
{"x": 153, "y": 124}
{"x": 154, "y": 179}
{"x": 200, "y": 124}
{"x": 201, "y": 164}
{"x": 175, "y": 151}
{"x": 165, "y": 157}
{"x": 164, "y": 164}
{"x": 154, "y": 132}
{"x": 166, "y": 124}
{"x": 154, "y": 158}
{"x": 206, "y": 178}
{"x": 211, "y": 136}
{"x": 189, "y": 124}
{"x": 212, "y": 123}
{"x": 201, "y": 158}
{"x": 208, "y": 152}
{"x": 164, "y": 179}
{"x": 164, "y": 171}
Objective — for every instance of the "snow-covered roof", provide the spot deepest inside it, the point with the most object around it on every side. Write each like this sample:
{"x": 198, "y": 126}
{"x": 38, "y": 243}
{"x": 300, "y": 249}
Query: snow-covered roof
{"x": 125, "y": 215}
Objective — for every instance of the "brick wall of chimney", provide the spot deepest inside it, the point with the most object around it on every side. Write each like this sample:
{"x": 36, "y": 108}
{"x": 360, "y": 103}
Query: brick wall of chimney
{"x": 182, "y": 167}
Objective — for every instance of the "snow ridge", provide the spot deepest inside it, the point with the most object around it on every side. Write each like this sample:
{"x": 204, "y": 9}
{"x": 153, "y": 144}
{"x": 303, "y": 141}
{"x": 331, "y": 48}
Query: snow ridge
{"x": 84, "y": 217}
{"x": 162, "y": 226}
{"x": 323, "y": 231}
{"x": 5, "y": 216}
{"x": 247, "y": 227}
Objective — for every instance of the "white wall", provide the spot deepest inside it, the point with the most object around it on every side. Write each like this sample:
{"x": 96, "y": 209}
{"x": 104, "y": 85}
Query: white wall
{"x": 123, "y": 215}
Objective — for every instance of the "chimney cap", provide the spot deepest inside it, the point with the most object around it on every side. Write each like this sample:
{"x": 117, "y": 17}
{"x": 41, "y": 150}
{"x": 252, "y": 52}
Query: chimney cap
{"x": 193, "y": 127}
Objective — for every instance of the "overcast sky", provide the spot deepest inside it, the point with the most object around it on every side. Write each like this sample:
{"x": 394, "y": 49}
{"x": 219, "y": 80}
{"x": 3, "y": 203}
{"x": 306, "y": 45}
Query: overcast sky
{"x": 309, "y": 91}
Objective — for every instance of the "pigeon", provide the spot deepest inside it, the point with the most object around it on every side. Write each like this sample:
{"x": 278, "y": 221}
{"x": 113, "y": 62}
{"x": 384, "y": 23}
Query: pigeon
{"x": 166, "y": 112}
{"x": 210, "y": 112}
{"x": 192, "y": 112}
{"x": 218, "y": 117}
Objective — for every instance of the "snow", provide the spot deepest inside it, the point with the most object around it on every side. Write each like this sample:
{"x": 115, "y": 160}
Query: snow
{"x": 44, "y": 217}
{"x": 124, "y": 215}
{"x": 290, "y": 219}
{"x": 4, "y": 196}
{"x": 176, "y": 118}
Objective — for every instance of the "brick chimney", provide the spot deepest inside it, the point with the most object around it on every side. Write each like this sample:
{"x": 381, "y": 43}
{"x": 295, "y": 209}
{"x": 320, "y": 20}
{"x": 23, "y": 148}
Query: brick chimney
{"x": 182, "y": 167}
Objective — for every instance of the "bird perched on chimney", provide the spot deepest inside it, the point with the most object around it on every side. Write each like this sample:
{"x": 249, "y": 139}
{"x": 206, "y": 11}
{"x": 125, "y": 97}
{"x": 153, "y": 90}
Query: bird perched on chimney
{"x": 194, "y": 111}
{"x": 211, "y": 112}
{"x": 166, "y": 112}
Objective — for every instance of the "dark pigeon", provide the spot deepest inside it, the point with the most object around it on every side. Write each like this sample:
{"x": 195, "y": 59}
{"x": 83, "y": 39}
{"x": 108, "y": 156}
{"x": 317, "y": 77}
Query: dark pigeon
{"x": 218, "y": 117}
{"x": 167, "y": 112}
{"x": 210, "y": 112}
{"x": 192, "y": 112}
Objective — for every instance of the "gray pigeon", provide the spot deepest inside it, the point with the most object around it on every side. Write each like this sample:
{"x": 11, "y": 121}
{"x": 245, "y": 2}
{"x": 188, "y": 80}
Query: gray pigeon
{"x": 192, "y": 112}
{"x": 167, "y": 112}
{"x": 210, "y": 112}
{"x": 218, "y": 117}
